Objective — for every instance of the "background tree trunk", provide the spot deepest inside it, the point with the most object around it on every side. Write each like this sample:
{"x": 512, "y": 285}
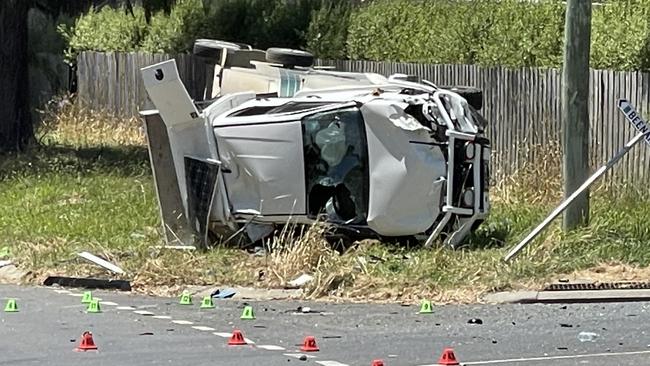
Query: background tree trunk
{"x": 16, "y": 130}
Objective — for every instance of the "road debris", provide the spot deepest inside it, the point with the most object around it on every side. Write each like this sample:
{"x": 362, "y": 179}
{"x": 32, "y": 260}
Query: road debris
{"x": 300, "y": 281}
{"x": 475, "y": 321}
{"x": 91, "y": 283}
{"x": 101, "y": 262}
{"x": 588, "y": 336}
{"x": 223, "y": 294}
{"x": 564, "y": 325}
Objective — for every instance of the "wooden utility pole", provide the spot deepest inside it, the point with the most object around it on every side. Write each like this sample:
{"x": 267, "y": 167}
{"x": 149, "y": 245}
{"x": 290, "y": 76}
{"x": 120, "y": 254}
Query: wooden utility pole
{"x": 575, "y": 111}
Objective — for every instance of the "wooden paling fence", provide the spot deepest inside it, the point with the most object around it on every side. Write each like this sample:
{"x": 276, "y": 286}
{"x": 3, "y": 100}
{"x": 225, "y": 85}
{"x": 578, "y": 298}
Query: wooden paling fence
{"x": 522, "y": 106}
{"x": 112, "y": 82}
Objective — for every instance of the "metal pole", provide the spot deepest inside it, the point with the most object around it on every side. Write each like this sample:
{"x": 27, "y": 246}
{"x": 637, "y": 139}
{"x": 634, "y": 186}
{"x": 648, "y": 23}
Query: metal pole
{"x": 575, "y": 194}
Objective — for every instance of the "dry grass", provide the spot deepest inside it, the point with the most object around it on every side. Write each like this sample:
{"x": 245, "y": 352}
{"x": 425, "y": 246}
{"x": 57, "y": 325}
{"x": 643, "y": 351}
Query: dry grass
{"x": 65, "y": 122}
{"x": 538, "y": 180}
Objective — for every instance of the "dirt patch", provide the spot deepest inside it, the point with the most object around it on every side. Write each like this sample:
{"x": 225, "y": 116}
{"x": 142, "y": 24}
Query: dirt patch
{"x": 610, "y": 272}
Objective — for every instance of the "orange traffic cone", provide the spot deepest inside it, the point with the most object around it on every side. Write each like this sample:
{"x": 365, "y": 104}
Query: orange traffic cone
{"x": 237, "y": 339}
{"x": 448, "y": 358}
{"x": 87, "y": 343}
{"x": 377, "y": 363}
{"x": 309, "y": 345}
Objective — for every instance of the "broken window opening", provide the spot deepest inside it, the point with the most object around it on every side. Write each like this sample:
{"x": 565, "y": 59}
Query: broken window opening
{"x": 336, "y": 165}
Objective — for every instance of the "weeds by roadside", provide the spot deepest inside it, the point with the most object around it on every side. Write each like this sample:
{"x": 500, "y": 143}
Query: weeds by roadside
{"x": 88, "y": 187}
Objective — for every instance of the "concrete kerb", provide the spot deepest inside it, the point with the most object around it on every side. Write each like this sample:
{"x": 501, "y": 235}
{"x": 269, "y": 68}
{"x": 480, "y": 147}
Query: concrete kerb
{"x": 529, "y": 297}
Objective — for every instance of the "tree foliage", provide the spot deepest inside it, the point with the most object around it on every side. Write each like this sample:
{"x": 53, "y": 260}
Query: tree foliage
{"x": 175, "y": 31}
{"x": 621, "y": 35}
{"x": 105, "y": 29}
{"x": 506, "y": 32}
{"x": 509, "y": 32}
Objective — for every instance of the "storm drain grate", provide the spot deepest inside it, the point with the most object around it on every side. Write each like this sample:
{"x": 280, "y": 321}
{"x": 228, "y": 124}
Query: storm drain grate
{"x": 598, "y": 286}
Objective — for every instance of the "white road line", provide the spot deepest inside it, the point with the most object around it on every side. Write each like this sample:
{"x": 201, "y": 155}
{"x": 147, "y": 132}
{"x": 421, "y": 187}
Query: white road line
{"x": 161, "y": 317}
{"x": 221, "y": 334}
{"x": 248, "y": 341}
{"x": 271, "y": 348}
{"x": 75, "y": 295}
{"x": 203, "y": 328}
{"x": 548, "y": 358}
{"x": 125, "y": 308}
{"x": 331, "y": 363}
{"x": 182, "y": 322}
{"x": 109, "y": 303}
{"x": 62, "y": 291}
{"x": 143, "y": 312}
{"x": 298, "y": 355}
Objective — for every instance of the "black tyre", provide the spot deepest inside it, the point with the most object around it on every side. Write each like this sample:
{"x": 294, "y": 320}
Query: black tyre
{"x": 289, "y": 57}
{"x": 473, "y": 95}
{"x": 211, "y": 48}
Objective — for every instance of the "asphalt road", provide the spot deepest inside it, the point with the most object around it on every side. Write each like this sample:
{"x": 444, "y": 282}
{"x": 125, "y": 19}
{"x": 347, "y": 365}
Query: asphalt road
{"x": 138, "y": 330}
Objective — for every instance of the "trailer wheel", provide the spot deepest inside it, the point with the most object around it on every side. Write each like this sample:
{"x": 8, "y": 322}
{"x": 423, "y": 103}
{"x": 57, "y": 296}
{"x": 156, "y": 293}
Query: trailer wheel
{"x": 289, "y": 57}
{"x": 211, "y": 48}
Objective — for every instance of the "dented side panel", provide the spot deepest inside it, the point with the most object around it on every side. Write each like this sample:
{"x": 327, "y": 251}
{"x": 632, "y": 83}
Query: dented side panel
{"x": 266, "y": 167}
{"x": 405, "y": 172}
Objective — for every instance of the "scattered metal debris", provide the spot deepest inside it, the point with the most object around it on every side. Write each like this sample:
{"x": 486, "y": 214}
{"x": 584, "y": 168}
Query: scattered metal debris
{"x": 101, "y": 262}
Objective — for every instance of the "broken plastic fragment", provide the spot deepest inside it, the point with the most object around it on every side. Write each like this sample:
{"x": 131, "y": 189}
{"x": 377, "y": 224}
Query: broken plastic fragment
{"x": 101, "y": 262}
{"x": 225, "y": 294}
{"x": 301, "y": 280}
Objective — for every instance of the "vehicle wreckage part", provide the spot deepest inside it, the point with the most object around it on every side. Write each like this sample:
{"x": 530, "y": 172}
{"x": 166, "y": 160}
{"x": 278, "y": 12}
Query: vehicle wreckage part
{"x": 188, "y": 135}
{"x": 640, "y": 124}
{"x": 101, "y": 262}
{"x": 397, "y": 167}
{"x": 467, "y": 217}
{"x": 474, "y": 96}
{"x": 172, "y": 213}
{"x": 202, "y": 176}
{"x": 256, "y": 153}
{"x": 212, "y": 49}
{"x": 289, "y": 57}
{"x": 90, "y": 283}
